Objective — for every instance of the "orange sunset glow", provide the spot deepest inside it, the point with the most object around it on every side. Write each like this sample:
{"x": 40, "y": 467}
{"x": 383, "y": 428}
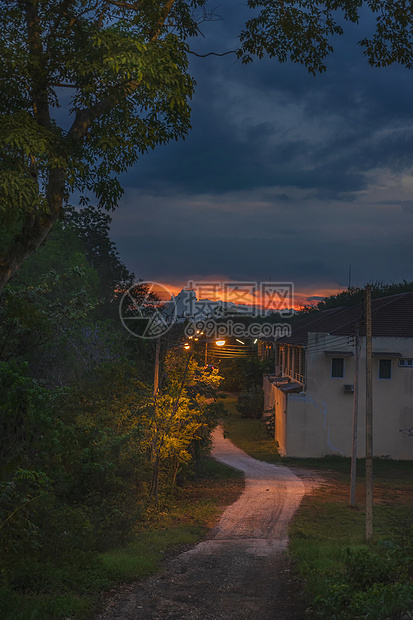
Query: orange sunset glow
{"x": 208, "y": 288}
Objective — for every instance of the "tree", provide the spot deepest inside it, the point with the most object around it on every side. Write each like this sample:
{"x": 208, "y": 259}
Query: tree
{"x": 91, "y": 226}
{"x": 124, "y": 64}
{"x": 179, "y": 419}
{"x": 301, "y": 30}
{"x": 354, "y": 296}
{"x": 55, "y": 289}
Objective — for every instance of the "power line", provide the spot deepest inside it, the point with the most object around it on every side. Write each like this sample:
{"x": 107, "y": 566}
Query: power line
{"x": 327, "y": 347}
{"x": 338, "y": 341}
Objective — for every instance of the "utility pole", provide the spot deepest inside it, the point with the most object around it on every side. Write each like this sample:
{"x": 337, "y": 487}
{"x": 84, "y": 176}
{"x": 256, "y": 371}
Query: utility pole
{"x": 156, "y": 377}
{"x": 355, "y": 419}
{"x": 369, "y": 419}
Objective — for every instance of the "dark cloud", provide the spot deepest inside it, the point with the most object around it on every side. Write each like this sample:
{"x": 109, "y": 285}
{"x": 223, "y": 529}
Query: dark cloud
{"x": 282, "y": 173}
{"x": 168, "y": 258}
{"x": 407, "y": 206}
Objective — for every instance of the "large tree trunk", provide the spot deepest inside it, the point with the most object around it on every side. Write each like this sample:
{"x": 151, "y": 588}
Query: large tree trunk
{"x": 34, "y": 231}
{"x": 36, "y": 227}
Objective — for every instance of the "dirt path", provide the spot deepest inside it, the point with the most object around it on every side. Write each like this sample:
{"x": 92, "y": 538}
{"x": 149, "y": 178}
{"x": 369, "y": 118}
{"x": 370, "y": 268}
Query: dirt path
{"x": 241, "y": 572}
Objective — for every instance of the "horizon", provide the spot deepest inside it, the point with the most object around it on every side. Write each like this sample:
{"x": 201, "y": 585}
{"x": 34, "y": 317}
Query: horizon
{"x": 301, "y": 297}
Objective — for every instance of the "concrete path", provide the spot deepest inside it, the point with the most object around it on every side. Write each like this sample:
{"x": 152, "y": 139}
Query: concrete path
{"x": 241, "y": 572}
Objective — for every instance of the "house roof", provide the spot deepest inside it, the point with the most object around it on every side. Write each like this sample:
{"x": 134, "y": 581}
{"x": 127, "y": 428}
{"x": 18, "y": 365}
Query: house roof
{"x": 391, "y": 316}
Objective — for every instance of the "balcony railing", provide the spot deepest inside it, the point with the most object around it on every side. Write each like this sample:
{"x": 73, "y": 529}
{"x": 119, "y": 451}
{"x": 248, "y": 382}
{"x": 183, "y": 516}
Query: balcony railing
{"x": 293, "y": 375}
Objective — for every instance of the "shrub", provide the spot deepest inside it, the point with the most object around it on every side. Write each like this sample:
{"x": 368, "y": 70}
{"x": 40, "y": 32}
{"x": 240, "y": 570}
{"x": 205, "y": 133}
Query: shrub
{"x": 364, "y": 568}
{"x": 251, "y": 402}
{"x": 372, "y": 586}
{"x": 269, "y": 421}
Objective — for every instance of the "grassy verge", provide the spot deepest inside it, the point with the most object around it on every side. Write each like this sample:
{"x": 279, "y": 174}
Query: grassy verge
{"x": 73, "y": 587}
{"x": 181, "y": 521}
{"x": 344, "y": 577}
{"x": 248, "y": 434}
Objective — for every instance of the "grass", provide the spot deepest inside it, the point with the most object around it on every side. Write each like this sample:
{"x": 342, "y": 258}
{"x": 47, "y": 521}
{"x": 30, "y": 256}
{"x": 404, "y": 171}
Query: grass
{"x": 144, "y": 555}
{"x": 326, "y": 533}
{"x": 43, "y": 606}
{"x": 327, "y": 536}
{"x": 73, "y": 588}
{"x": 249, "y": 434}
{"x": 181, "y": 521}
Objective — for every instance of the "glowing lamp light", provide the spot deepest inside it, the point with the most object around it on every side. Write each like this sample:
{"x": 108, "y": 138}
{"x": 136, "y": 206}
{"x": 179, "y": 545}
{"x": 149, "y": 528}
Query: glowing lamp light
{"x": 220, "y": 343}
{"x": 186, "y": 346}
{"x": 255, "y": 341}
{"x": 240, "y": 341}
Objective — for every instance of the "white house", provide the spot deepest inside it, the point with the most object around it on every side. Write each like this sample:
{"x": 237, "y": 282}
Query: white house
{"x": 312, "y": 388}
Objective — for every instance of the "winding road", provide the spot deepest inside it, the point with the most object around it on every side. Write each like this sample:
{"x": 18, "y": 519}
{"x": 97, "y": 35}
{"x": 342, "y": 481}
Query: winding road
{"x": 241, "y": 572}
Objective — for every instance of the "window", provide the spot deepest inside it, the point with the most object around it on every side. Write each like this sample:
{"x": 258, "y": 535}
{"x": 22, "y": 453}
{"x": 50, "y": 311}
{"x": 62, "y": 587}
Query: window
{"x": 337, "y": 367}
{"x": 406, "y": 363}
{"x": 384, "y": 369}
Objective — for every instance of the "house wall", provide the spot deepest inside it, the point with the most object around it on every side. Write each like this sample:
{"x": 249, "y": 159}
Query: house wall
{"x": 319, "y": 422}
{"x": 275, "y": 398}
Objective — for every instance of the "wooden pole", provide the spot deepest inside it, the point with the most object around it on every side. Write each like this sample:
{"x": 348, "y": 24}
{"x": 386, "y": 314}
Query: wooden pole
{"x": 355, "y": 420}
{"x": 156, "y": 377}
{"x": 369, "y": 419}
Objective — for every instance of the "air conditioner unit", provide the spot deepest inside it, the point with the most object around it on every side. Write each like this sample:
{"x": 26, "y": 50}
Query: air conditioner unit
{"x": 348, "y": 388}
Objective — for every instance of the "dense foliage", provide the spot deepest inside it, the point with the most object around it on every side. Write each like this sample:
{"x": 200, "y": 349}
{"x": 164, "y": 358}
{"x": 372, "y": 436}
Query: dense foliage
{"x": 86, "y": 87}
{"x": 241, "y": 374}
{"x": 355, "y": 295}
{"x": 251, "y": 402}
{"x": 86, "y": 449}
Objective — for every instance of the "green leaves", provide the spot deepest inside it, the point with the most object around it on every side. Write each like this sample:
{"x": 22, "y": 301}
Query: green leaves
{"x": 393, "y": 40}
{"x": 298, "y": 31}
{"x": 124, "y": 71}
{"x": 302, "y": 31}
{"x": 26, "y": 149}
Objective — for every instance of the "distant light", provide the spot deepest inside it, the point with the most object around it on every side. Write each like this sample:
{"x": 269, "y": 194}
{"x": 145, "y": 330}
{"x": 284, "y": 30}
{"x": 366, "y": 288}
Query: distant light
{"x": 220, "y": 343}
{"x": 255, "y": 341}
{"x": 190, "y": 338}
{"x": 240, "y": 341}
{"x": 195, "y": 338}
{"x": 186, "y": 346}
{"x": 197, "y": 331}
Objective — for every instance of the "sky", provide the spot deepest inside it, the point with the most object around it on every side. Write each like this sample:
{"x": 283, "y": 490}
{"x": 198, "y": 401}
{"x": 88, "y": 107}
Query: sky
{"x": 284, "y": 177}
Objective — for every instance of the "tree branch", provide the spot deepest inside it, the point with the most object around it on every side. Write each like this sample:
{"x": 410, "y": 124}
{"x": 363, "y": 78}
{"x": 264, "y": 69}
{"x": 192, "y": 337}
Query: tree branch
{"x": 130, "y": 6}
{"x": 212, "y": 53}
{"x": 61, "y": 85}
{"x": 84, "y": 118}
{"x": 166, "y": 11}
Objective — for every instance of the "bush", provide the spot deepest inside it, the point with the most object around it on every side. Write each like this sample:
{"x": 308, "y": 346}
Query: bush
{"x": 251, "y": 402}
{"x": 241, "y": 374}
{"x": 365, "y": 568}
{"x": 372, "y": 586}
{"x": 269, "y": 421}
